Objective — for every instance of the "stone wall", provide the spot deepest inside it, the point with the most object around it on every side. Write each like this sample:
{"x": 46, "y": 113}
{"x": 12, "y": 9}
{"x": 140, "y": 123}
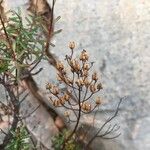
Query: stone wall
{"x": 116, "y": 33}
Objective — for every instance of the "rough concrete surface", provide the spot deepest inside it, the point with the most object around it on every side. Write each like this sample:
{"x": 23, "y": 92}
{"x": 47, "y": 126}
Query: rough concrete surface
{"x": 116, "y": 33}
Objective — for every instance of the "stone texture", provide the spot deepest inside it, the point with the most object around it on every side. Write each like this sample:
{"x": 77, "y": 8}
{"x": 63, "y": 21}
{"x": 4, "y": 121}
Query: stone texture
{"x": 116, "y": 33}
{"x": 38, "y": 120}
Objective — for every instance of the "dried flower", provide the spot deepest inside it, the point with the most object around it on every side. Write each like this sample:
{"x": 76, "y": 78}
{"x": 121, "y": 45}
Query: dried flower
{"x": 94, "y": 76}
{"x": 60, "y": 66}
{"x": 66, "y": 97}
{"x": 84, "y": 56}
{"x": 72, "y": 45}
{"x": 86, "y": 106}
{"x": 55, "y": 90}
{"x": 49, "y": 86}
{"x": 67, "y": 113}
{"x": 99, "y": 86}
{"x": 98, "y": 101}
{"x": 77, "y": 66}
{"x": 79, "y": 82}
{"x": 56, "y": 103}
{"x": 86, "y": 66}
{"x": 86, "y": 82}
{"x": 62, "y": 100}
{"x": 85, "y": 73}
{"x": 92, "y": 88}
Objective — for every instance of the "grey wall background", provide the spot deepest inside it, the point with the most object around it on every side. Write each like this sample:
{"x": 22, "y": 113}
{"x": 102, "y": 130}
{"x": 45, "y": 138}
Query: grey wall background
{"x": 116, "y": 33}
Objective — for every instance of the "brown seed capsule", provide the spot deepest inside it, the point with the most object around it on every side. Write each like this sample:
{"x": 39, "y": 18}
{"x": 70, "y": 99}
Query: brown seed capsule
{"x": 76, "y": 66}
{"x": 60, "y": 66}
{"x": 66, "y": 97}
{"x": 86, "y": 66}
{"x": 56, "y": 103}
{"x": 83, "y": 106}
{"x": 62, "y": 100}
{"x": 99, "y": 86}
{"x": 72, "y": 62}
{"x": 92, "y": 88}
{"x": 88, "y": 107}
{"x": 86, "y": 82}
{"x": 85, "y": 73}
{"x": 49, "y": 86}
{"x": 94, "y": 76}
{"x": 98, "y": 101}
{"x": 79, "y": 82}
{"x": 72, "y": 45}
{"x": 55, "y": 91}
{"x": 84, "y": 56}
{"x": 67, "y": 113}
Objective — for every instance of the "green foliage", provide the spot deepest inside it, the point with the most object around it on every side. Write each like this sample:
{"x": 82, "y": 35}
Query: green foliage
{"x": 3, "y": 65}
{"x": 59, "y": 140}
{"x": 21, "y": 45}
{"x": 20, "y": 141}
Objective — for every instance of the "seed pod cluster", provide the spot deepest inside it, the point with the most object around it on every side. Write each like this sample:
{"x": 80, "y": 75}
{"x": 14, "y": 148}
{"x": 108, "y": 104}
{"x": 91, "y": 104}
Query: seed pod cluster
{"x": 95, "y": 76}
{"x": 86, "y": 106}
{"x": 75, "y": 66}
{"x": 93, "y": 88}
{"x": 49, "y": 86}
{"x": 99, "y": 86}
{"x": 84, "y": 56}
{"x": 60, "y": 66}
{"x": 98, "y": 101}
{"x": 81, "y": 81}
{"x": 67, "y": 113}
{"x": 72, "y": 45}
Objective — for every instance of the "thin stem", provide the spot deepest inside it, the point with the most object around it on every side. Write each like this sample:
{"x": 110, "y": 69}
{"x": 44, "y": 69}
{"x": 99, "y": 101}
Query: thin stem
{"x": 106, "y": 122}
{"x": 78, "y": 120}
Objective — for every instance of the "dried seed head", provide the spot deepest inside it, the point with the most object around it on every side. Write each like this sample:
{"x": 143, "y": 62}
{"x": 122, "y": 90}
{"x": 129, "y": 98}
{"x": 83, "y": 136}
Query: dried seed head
{"x": 77, "y": 67}
{"x": 72, "y": 45}
{"x": 86, "y": 82}
{"x": 98, "y": 101}
{"x": 55, "y": 90}
{"x": 83, "y": 106}
{"x": 92, "y": 88}
{"x": 86, "y": 67}
{"x": 88, "y": 107}
{"x": 99, "y": 86}
{"x": 79, "y": 82}
{"x": 56, "y": 103}
{"x": 66, "y": 97}
{"x": 94, "y": 76}
{"x": 60, "y": 66}
{"x": 84, "y": 56}
{"x": 72, "y": 62}
{"x": 85, "y": 73}
{"x": 67, "y": 113}
{"x": 49, "y": 86}
{"x": 62, "y": 100}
